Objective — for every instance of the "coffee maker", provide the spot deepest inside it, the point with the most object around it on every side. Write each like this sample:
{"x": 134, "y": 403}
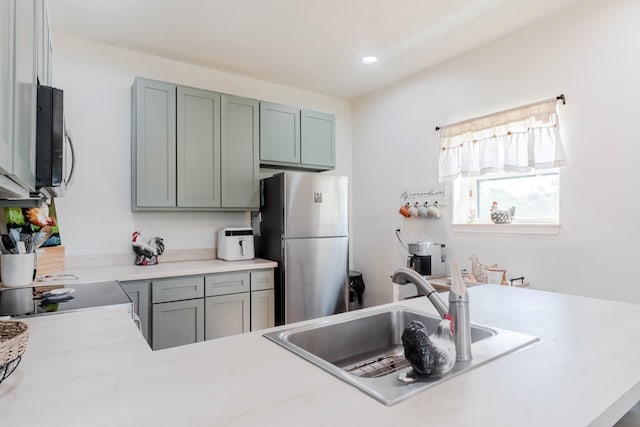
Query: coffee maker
{"x": 427, "y": 259}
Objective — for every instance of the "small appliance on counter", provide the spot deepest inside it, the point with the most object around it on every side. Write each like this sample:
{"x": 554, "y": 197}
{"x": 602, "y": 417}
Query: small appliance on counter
{"x": 235, "y": 243}
{"x": 428, "y": 259}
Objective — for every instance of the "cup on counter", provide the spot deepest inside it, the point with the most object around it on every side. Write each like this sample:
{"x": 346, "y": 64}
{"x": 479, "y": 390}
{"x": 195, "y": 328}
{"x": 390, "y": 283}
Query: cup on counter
{"x": 17, "y": 269}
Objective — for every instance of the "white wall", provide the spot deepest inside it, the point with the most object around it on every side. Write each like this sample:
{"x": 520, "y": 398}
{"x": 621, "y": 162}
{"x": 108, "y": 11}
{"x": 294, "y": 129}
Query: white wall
{"x": 95, "y": 215}
{"x": 589, "y": 52}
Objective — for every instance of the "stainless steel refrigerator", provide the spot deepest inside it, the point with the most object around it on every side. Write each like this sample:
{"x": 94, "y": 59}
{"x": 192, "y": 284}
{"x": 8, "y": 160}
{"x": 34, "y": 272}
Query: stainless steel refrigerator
{"x": 303, "y": 225}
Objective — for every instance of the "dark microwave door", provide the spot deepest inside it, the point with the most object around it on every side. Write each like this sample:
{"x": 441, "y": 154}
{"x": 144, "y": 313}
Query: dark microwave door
{"x": 50, "y": 138}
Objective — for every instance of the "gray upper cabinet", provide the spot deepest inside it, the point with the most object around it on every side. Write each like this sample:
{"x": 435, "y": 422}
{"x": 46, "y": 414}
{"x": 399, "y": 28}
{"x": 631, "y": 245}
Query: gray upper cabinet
{"x": 198, "y": 146}
{"x": 240, "y": 156}
{"x": 6, "y": 86}
{"x": 18, "y": 43}
{"x": 279, "y": 133}
{"x": 193, "y": 149}
{"x": 295, "y": 139}
{"x": 317, "y": 139}
{"x": 153, "y": 154}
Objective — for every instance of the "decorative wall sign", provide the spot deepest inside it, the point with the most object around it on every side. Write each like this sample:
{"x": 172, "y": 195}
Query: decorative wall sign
{"x": 429, "y": 195}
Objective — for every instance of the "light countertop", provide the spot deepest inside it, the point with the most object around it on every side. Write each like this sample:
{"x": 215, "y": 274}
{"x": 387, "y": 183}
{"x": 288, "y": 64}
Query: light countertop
{"x": 97, "y": 272}
{"x": 94, "y": 369}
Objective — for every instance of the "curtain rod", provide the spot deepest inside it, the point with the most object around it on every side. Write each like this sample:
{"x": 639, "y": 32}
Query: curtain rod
{"x": 560, "y": 97}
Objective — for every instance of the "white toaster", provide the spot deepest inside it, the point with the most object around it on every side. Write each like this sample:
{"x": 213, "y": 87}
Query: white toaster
{"x": 235, "y": 243}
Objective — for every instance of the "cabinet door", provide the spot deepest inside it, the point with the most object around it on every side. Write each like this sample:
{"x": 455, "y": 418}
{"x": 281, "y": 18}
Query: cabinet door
{"x": 227, "y": 315}
{"x": 317, "y": 139}
{"x": 154, "y": 144}
{"x": 279, "y": 133}
{"x": 240, "y": 157}
{"x": 178, "y": 323}
{"x": 6, "y": 85}
{"x": 262, "y": 309}
{"x": 140, "y": 294}
{"x": 24, "y": 133}
{"x": 198, "y": 148}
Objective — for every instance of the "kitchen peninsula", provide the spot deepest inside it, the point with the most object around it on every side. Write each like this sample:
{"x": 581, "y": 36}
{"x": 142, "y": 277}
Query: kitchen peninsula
{"x": 94, "y": 369}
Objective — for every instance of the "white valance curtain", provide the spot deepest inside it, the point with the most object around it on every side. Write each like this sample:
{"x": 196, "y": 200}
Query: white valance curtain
{"x": 517, "y": 140}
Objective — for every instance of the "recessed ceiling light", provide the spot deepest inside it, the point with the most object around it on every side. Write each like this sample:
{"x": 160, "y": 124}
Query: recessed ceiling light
{"x": 369, "y": 60}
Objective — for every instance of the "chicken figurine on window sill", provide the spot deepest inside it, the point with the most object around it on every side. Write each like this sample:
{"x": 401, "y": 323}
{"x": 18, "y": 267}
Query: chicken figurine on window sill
{"x": 146, "y": 252}
{"x": 501, "y": 216}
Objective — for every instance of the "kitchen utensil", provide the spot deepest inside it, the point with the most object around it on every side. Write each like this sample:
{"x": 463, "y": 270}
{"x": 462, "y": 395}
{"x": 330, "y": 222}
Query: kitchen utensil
{"x": 58, "y": 292}
{"x": 15, "y": 235}
{"x": 42, "y": 236}
{"x": 27, "y": 239}
{"x": 8, "y": 243}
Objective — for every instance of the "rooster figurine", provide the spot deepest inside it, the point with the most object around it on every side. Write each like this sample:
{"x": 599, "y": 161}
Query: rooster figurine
{"x": 146, "y": 252}
{"x": 429, "y": 355}
{"x": 501, "y": 216}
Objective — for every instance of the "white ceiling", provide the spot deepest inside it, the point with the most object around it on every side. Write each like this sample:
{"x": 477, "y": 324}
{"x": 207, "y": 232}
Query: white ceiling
{"x": 309, "y": 44}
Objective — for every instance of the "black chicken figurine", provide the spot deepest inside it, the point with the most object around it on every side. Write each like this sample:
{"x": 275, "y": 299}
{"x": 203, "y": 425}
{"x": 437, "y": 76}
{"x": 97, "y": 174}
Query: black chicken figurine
{"x": 433, "y": 355}
{"x": 146, "y": 252}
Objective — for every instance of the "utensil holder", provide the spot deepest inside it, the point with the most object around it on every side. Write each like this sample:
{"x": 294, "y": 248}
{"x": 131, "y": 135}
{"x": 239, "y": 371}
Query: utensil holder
{"x": 17, "y": 269}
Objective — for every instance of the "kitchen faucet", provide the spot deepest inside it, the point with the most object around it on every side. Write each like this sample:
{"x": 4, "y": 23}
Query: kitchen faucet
{"x": 457, "y": 312}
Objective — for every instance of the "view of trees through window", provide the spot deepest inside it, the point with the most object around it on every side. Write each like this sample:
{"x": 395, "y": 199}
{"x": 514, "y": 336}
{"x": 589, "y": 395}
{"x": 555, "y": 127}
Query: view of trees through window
{"x": 536, "y": 197}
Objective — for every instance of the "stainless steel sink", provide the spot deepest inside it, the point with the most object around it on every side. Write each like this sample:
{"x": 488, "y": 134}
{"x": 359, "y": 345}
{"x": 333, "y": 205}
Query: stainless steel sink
{"x": 365, "y": 350}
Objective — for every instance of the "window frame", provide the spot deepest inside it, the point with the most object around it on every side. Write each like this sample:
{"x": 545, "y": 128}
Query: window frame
{"x": 460, "y": 204}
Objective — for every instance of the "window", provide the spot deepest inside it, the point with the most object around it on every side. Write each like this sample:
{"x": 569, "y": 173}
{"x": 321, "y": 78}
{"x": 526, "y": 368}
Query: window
{"x": 535, "y": 197}
{"x": 504, "y": 169}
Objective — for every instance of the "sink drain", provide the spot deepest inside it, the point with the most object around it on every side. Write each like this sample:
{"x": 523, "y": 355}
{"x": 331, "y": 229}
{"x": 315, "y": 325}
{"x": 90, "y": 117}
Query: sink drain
{"x": 378, "y": 367}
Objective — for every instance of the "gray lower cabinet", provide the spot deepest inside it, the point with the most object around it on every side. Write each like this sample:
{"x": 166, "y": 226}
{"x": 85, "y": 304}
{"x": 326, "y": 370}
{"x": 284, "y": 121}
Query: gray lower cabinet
{"x": 262, "y": 300}
{"x": 140, "y": 294}
{"x": 297, "y": 139}
{"x": 227, "y": 302}
{"x": 177, "y": 311}
{"x": 227, "y": 315}
{"x": 182, "y": 310}
{"x": 262, "y": 309}
{"x": 193, "y": 149}
{"x": 178, "y": 323}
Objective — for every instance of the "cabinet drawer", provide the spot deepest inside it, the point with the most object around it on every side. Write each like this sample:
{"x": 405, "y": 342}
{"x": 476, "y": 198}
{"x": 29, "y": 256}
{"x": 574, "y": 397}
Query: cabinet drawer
{"x": 226, "y": 283}
{"x": 175, "y": 289}
{"x": 261, "y": 280}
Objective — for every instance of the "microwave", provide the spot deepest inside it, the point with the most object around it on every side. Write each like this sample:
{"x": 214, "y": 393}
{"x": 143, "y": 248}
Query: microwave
{"x": 54, "y": 147}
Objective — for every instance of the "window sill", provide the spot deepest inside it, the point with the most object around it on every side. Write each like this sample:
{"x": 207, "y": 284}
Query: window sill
{"x": 527, "y": 229}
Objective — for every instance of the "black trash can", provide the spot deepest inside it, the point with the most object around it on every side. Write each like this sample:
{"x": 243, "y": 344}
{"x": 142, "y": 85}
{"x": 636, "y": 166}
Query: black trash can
{"x": 356, "y": 290}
